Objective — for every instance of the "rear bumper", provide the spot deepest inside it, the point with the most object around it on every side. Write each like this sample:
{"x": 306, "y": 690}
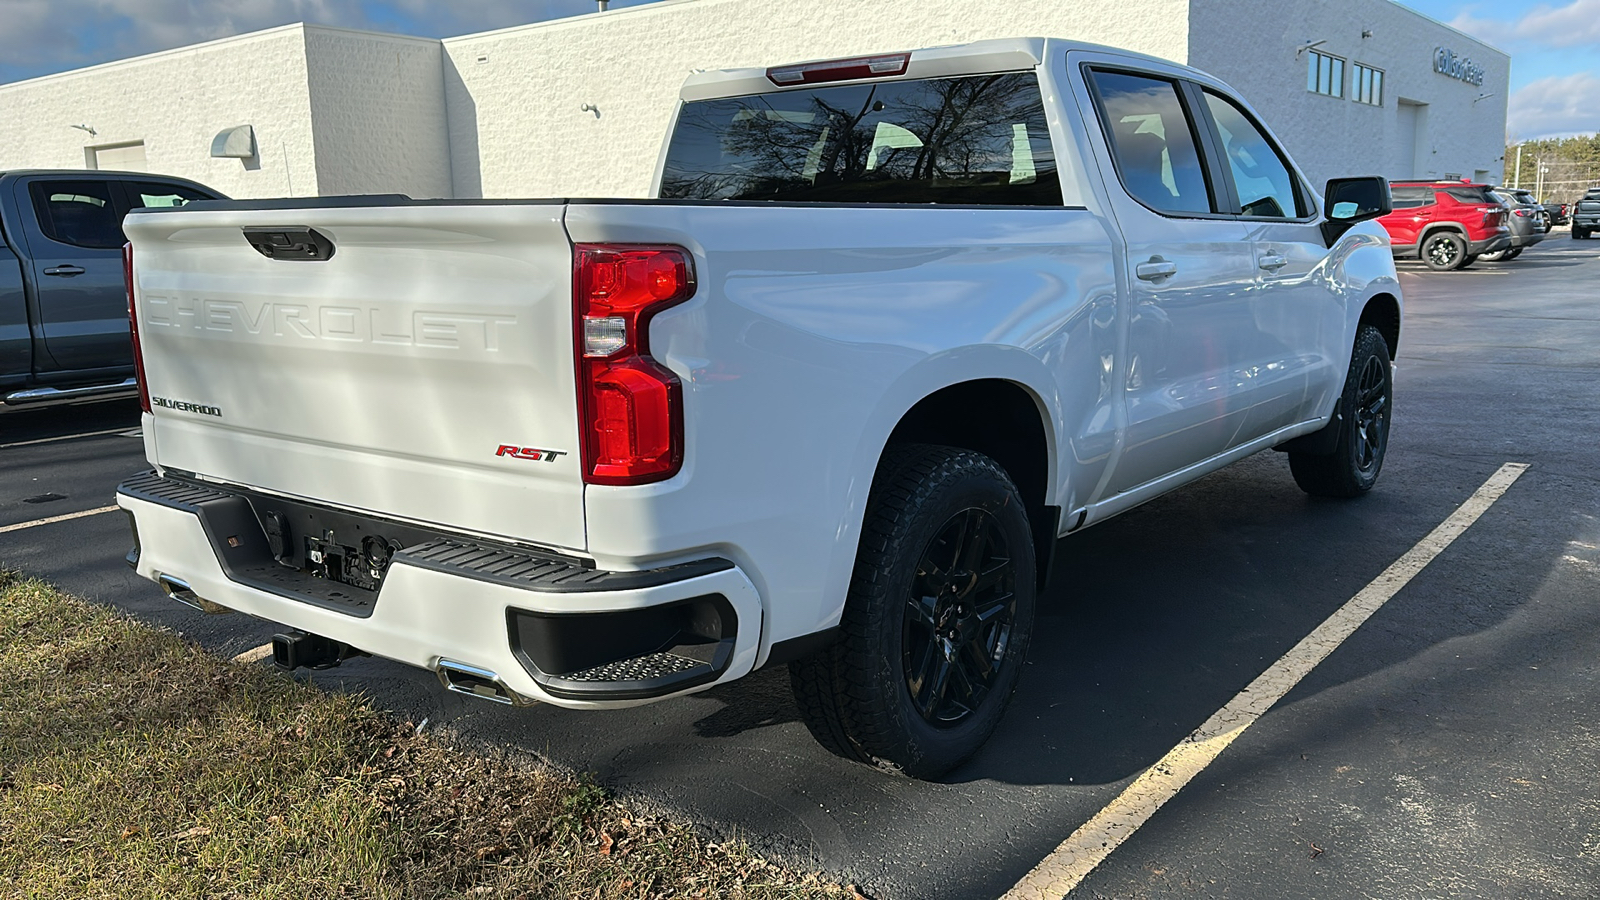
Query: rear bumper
{"x": 1490, "y": 245}
{"x": 613, "y": 639}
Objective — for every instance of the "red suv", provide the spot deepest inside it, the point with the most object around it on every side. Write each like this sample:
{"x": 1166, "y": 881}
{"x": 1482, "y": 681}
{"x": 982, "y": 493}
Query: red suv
{"x": 1445, "y": 223}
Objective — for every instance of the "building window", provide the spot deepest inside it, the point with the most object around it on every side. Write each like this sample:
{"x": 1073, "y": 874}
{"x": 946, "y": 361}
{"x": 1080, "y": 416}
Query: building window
{"x": 1325, "y": 74}
{"x": 1366, "y": 85}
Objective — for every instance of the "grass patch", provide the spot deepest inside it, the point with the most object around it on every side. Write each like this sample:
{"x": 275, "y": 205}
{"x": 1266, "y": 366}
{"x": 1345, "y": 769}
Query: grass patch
{"x": 134, "y": 764}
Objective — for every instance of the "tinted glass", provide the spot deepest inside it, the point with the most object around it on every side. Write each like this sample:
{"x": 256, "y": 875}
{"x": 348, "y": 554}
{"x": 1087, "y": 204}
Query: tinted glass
{"x": 1153, "y": 142}
{"x": 1409, "y": 197}
{"x": 1266, "y": 189}
{"x": 156, "y": 195}
{"x": 78, "y": 212}
{"x": 1470, "y": 194}
{"x": 976, "y": 140}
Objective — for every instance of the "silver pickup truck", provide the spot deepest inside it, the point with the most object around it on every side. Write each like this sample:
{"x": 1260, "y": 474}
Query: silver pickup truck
{"x": 892, "y": 326}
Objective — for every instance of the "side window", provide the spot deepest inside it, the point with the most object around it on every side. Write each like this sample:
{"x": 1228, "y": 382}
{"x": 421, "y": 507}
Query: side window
{"x": 1153, "y": 142}
{"x": 154, "y": 194}
{"x": 1410, "y": 197}
{"x": 1262, "y": 178}
{"x": 79, "y": 213}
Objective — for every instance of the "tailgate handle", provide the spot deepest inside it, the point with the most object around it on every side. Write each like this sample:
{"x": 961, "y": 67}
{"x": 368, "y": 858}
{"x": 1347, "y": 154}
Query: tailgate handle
{"x": 290, "y": 242}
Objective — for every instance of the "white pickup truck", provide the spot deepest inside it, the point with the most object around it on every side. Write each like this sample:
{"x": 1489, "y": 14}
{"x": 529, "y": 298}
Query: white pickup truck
{"x": 893, "y": 326}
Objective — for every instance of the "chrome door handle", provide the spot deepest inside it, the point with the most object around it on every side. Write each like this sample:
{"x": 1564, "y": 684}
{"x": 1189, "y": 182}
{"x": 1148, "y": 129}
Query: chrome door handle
{"x": 1156, "y": 269}
{"x": 64, "y": 270}
{"x": 1273, "y": 263}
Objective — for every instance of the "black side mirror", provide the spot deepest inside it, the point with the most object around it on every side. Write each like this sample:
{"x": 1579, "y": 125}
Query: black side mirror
{"x": 1352, "y": 200}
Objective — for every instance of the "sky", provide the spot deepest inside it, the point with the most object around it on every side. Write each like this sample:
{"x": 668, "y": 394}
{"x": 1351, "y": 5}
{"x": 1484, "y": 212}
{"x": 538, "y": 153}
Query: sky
{"x": 1555, "y": 46}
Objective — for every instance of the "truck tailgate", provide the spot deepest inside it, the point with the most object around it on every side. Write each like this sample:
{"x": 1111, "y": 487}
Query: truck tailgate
{"x": 390, "y": 378}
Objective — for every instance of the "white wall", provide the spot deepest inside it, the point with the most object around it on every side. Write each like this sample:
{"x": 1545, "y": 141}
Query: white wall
{"x": 377, "y": 113}
{"x": 176, "y": 102}
{"x": 1331, "y": 137}
{"x": 499, "y": 114}
{"x": 515, "y": 96}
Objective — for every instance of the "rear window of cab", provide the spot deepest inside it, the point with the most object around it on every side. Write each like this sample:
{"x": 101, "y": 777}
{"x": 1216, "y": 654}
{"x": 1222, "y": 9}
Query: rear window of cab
{"x": 973, "y": 140}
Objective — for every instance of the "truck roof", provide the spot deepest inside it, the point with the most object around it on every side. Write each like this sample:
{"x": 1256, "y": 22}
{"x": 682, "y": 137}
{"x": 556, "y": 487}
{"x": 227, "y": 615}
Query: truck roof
{"x": 91, "y": 173}
{"x": 976, "y": 57}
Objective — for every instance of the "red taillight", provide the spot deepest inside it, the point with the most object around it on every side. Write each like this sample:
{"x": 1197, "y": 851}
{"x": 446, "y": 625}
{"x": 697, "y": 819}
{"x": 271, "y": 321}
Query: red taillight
{"x": 840, "y": 69}
{"x": 630, "y": 406}
{"x": 133, "y": 328}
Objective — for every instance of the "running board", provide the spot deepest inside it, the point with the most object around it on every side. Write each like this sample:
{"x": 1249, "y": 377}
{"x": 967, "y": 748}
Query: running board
{"x": 45, "y": 394}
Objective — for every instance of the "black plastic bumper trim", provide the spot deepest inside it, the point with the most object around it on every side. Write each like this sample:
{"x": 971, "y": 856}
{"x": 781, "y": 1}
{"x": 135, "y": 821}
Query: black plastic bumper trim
{"x": 546, "y": 574}
{"x": 633, "y": 654}
{"x": 800, "y": 647}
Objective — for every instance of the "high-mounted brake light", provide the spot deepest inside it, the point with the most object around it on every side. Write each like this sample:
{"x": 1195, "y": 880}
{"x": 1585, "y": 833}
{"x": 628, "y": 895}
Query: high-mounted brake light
{"x": 840, "y": 69}
{"x": 630, "y": 406}
{"x": 133, "y": 328}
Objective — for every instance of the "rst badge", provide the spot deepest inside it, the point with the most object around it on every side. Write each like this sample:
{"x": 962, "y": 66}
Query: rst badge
{"x": 532, "y": 454}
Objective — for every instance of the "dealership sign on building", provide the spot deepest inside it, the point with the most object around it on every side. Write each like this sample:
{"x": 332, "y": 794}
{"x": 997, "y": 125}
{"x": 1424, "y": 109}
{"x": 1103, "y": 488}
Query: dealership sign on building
{"x": 1446, "y": 62}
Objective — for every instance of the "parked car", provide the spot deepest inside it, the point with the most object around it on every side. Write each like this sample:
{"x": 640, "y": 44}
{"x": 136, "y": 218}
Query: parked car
{"x": 1560, "y": 213}
{"x": 1586, "y": 216}
{"x": 1448, "y": 225}
{"x": 63, "y": 306}
{"x": 894, "y": 325}
{"x": 1529, "y": 223}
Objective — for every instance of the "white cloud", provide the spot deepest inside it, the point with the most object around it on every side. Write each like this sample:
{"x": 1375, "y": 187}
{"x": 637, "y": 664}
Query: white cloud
{"x": 1486, "y": 30}
{"x": 1562, "y": 26}
{"x": 1556, "y": 106}
{"x": 1575, "y": 23}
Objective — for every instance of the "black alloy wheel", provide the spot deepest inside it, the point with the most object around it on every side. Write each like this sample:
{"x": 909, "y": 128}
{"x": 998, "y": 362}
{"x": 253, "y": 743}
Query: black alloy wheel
{"x": 937, "y": 621}
{"x": 958, "y": 618}
{"x": 1444, "y": 251}
{"x": 1365, "y": 409}
{"x": 1372, "y": 415}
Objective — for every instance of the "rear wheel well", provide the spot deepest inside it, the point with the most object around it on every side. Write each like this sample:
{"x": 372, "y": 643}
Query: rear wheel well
{"x": 1001, "y": 420}
{"x": 1432, "y": 230}
{"x": 1383, "y": 313}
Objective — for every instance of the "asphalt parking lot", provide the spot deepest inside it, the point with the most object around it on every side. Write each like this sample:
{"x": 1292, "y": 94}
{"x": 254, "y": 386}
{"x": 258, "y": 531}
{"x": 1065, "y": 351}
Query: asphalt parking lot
{"x": 1449, "y": 748}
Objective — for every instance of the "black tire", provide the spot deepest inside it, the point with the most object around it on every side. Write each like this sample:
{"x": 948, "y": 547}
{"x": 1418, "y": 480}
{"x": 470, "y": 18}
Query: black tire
{"x": 1365, "y": 409}
{"x": 1514, "y": 252}
{"x": 1468, "y": 260}
{"x": 1443, "y": 251}
{"x": 1580, "y": 234}
{"x": 929, "y": 652}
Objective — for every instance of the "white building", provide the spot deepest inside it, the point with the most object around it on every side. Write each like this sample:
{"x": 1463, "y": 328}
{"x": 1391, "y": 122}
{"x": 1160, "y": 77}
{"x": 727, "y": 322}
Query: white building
{"x": 579, "y": 106}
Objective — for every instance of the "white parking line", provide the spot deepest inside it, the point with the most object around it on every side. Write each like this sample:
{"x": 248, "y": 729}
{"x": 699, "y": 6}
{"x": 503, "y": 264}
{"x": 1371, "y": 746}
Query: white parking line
{"x": 1087, "y": 847}
{"x": 64, "y": 437}
{"x": 62, "y": 518}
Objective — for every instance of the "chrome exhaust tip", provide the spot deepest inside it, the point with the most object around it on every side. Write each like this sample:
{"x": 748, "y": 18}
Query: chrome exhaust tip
{"x": 480, "y": 683}
{"x": 179, "y": 590}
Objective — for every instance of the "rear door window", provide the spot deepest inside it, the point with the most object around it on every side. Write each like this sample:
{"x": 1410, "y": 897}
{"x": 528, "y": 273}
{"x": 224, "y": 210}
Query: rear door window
{"x": 80, "y": 213}
{"x": 976, "y": 140}
{"x": 1402, "y": 197}
{"x": 156, "y": 195}
{"x": 1153, "y": 142}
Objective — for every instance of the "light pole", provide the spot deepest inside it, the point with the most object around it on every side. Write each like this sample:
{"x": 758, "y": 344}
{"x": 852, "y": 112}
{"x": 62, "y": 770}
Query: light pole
{"x": 1516, "y": 180}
